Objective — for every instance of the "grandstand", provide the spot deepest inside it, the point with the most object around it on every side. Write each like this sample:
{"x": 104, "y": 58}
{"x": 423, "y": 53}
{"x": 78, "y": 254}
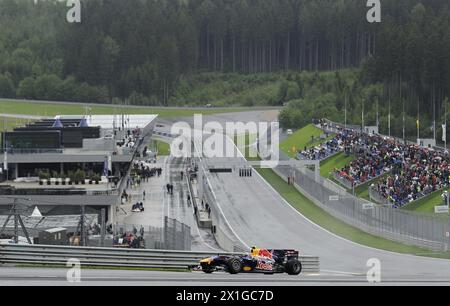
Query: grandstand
{"x": 405, "y": 172}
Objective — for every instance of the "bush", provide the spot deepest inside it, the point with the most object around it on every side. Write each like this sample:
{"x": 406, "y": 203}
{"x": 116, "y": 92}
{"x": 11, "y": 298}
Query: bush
{"x": 79, "y": 176}
{"x": 96, "y": 177}
{"x": 44, "y": 175}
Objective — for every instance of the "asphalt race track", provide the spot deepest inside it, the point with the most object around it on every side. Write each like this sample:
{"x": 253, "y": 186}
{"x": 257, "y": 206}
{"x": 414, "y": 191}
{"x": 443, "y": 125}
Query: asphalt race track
{"x": 55, "y": 276}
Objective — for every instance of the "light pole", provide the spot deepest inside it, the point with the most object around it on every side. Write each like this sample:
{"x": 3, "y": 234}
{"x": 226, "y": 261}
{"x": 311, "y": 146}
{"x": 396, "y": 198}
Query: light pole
{"x": 362, "y": 117}
{"x": 345, "y": 108}
{"x": 389, "y": 115}
{"x": 445, "y": 124}
{"x": 17, "y": 220}
{"x": 378, "y": 118}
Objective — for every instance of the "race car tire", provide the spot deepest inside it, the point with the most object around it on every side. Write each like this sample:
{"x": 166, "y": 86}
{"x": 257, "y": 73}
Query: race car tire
{"x": 234, "y": 265}
{"x": 293, "y": 267}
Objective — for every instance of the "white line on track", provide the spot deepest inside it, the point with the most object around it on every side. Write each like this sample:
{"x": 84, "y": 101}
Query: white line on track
{"x": 217, "y": 202}
{"x": 342, "y": 238}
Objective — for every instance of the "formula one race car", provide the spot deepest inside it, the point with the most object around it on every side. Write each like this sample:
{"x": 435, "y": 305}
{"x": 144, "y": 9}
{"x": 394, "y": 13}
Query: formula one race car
{"x": 258, "y": 261}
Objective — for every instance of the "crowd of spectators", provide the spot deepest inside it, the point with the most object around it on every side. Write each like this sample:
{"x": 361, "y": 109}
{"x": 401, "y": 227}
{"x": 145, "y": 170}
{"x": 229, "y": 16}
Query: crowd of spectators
{"x": 142, "y": 171}
{"x": 130, "y": 139}
{"x": 325, "y": 150}
{"x": 375, "y": 155}
{"x": 422, "y": 172}
{"x": 414, "y": 171}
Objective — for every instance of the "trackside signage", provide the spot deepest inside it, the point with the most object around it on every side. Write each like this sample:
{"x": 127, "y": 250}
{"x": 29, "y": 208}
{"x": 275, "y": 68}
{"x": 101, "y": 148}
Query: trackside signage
{"x": 441, "y": 209}
{"x": 334, "y": 198}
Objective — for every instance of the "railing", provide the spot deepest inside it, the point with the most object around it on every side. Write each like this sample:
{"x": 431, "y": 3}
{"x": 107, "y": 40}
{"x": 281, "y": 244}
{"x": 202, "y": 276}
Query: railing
{"x": 342, "y": 180}
{"x": 377, "y": 197}
{"x": 327, "y": 155}
{"x": 113, "y": 257}
{"x": 32, "y": 151}
{"x": 348, "y": 184}
{"x": 113, "y": 191}
{"x": 423, "y": 230}
{"x": 165, "y": 134}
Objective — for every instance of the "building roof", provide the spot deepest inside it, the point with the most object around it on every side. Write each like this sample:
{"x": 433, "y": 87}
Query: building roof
{"x": 56, "y": 230}
{"x": 112, "y": 121}
{"x": 51, "y": 222}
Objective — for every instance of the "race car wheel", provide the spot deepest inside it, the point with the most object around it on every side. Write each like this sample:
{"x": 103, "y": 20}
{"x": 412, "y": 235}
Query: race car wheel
{"x": 234, "y": 266}
{"x": 293, "y": 267}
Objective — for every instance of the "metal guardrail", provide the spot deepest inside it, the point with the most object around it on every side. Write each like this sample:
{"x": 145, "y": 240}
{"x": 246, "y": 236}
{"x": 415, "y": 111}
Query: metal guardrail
{"x": 32, "y": 151}
{"x": 377, "y": 197}
{"x": 423, "y": 230}
{"x": 343, "y": 181}
{"x": 115, "y": 257}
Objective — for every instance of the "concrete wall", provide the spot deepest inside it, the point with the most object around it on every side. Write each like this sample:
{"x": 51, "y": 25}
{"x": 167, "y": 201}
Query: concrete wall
{"x": 427, "y": 143}
{"x": 63, "y": 158}
{"x": 60, "y": 200}
{"x": 371, "y": 129}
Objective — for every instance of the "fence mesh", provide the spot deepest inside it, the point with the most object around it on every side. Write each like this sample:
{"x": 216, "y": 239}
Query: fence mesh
{"x": 423, "y": 230}
{"x": 173, "y": 236}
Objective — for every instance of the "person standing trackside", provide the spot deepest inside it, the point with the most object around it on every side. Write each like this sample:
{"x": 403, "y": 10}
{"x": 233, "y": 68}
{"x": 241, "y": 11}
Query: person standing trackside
{"x": 143, "y": 195}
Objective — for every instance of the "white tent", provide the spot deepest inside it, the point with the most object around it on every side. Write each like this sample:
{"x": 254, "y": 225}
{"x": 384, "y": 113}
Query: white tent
{"x": 36, "y": 213}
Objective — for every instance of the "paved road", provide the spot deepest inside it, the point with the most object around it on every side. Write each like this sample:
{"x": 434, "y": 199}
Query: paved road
{"x": 159, "y": 204}
{"x": 51, "y": 277}
{"x": 134, "y": 106}
{"x": 21, "y": 116}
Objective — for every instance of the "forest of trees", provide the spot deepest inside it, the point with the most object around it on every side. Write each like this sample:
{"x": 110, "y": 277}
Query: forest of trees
{"x": 150, "y": 52}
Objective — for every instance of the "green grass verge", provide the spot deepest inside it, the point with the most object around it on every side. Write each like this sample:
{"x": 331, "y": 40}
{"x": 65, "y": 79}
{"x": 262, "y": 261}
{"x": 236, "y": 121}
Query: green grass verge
{"x": 334, "y": 225}
{"x": 163, "y": 148}
{"x": 8, "y": 123}
{"x": 337, "y": 161}
{"x": 424, "y": 205}
{"x": 362, "y": 191}
{"x": 243, "y": 143}
{"x": 427, "y": 204}
{"x": 53, "y": 109}
{"x": 300, "y": 139}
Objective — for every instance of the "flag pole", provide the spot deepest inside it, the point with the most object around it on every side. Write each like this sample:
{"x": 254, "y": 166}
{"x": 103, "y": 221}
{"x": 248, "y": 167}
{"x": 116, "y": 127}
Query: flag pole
{"x": 445, "y": 120}
{"x": 418, "y": 122}
{"x": 389, "y": 115}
